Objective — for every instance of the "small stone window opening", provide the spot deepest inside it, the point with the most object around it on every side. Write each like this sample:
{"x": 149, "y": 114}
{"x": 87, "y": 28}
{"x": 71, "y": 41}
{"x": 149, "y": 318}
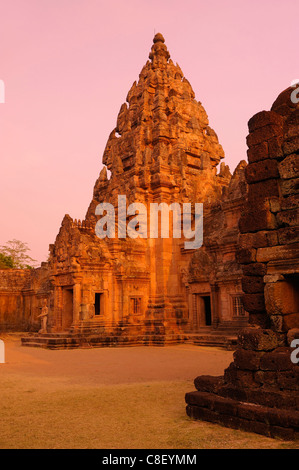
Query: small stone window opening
{"x": 136, "y": 305}
{"x": 238, "y": 309}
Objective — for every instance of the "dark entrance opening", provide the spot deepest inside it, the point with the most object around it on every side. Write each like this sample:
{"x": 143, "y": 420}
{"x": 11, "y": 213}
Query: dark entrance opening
{"x": 202, "y": 312}
{"x": 67, "y": 311}
{"x": 98, "y": 303}
{"x": 287, "y": 300}
{"x": 208, "y": 312}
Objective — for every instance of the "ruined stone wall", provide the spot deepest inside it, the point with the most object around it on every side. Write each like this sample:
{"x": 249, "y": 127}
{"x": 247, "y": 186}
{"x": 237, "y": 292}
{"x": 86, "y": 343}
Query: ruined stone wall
{"x": 13, "y": 316}
{"x": 259, "y": 391}
{"x": 269, "y": 227}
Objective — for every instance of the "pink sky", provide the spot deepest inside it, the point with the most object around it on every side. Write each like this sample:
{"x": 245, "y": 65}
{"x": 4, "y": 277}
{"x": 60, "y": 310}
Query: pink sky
{"x": 68, "y": 65}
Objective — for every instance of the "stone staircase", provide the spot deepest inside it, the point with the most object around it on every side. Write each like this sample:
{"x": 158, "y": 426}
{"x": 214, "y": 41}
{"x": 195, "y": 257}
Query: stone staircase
{"x": 73, "y": 340}
{"x": 51, "y": 341}
{"x": 228, "y": 341}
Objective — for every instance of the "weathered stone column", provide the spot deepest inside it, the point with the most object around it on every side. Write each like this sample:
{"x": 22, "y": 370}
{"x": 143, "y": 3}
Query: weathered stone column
{"x": 76, "y": 303}
{"x": 86, "y": 303}
{"x": 214, "y": 305}
{"x": 58, "y": 308}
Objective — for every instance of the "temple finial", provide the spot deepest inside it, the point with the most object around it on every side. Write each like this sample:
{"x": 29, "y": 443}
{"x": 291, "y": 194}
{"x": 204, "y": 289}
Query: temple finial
{"x": 158, "y": 38}
{"x": 159, "y": 54}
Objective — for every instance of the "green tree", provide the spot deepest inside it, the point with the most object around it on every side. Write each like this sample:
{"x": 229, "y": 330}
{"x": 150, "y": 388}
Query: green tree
{"x": 17, "y": 252}
{"x": 6, "y": 262}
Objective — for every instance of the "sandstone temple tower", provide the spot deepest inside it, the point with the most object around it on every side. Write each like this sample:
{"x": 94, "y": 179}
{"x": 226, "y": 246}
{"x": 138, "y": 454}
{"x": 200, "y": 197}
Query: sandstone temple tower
{"x": 147, "y": 290}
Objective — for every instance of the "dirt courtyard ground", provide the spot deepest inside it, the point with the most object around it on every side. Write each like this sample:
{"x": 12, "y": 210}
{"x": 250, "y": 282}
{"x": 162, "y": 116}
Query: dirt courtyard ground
{"x": 110, "y": 398}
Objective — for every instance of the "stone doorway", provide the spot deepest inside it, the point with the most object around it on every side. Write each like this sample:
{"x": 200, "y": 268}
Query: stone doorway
{"x": 202, "y": 312}
{"x": 67, "y": 311}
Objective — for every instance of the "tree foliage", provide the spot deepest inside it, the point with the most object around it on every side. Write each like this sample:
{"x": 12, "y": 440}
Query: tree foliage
{"x": 6, "y": 262}
{"x": 14, "y": 255}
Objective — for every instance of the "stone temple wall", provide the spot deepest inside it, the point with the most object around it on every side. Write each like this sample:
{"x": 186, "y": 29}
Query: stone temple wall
{"x": 260, "y": 390}
{"x": 13, "y": 314}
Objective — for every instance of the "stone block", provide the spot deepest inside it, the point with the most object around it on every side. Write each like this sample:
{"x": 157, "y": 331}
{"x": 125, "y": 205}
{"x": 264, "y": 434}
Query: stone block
{"x": 208, "y": 383}
{"x": 229, "y": 421}
{"x": 256, "y": 427}
{"x": 272, "y": 238}
{"x": 232, "y": 392}
{"x": 277, "y": 432}
{"x": 251, "y": 412}
{"x": 288, "y": 218}
{"x": 289, "y": 202}
{"x": 257, "y": 339}
{"x": 258, "y": 152}
{"x": 290, "y": 321}
{"x": 225, "y": 406}
{"x": 274, "y": 253}
{"x": 197, "y": 412}
{"x": 281, "y": 298}
{"x": 266, "y": 378}
{"x": 289, "y": 380}
{"x": 255, "y": 221}
{"x": 275, "y": 204}
{"x": 274, "y": 147}
{"x": 258, "y": 192}
{"x": 272, "y": 398}
{"x": 254, "y": 303}
{"x": 292, "y": 121}
{"x": 254, "y": 269}
{"x": 283, "y": 418}
{"x": 252, "y": 284}
{"x": 289, "y": 167}
{"x": 245, "y": 255}
{"x": 264, "y": 118}
{"x": 253, "y": 240}
{"x": 289, "y": 187}
{"x": 260, "y": 171}
{"x": 245, "y": 379}
{"x": 263, "y": 134}
{"x": 260, "y": 239}
{"x": 202, "y": 399}
{"x": 276, "y": 323}
{"x": 279, "y": 360}
{"x": 288, "y": 235}
{"x": 293, "y": 333}
{"x": 283, "y": 104}
{"x": 247, "y": 359}
{"x": 291, "y": 145}
{"x": 230, "y": 374}
{"x": 273, "y": 278}
{"x": 259, "y": 319}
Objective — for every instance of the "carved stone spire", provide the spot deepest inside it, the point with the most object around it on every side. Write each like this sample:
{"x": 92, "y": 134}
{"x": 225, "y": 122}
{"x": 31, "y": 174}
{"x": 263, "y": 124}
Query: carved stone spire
{"x": 162, "y": 140}
{"x": 159, "y": 54}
